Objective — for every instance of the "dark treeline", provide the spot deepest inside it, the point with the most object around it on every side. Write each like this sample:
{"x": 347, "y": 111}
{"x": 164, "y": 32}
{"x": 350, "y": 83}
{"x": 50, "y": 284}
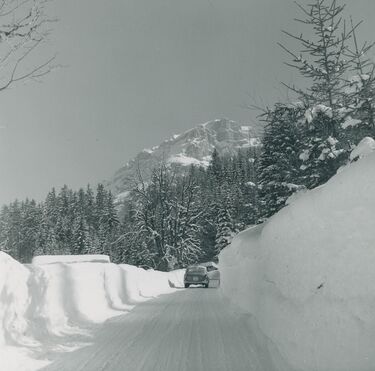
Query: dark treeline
{"x": 175, "y": 218}
{"x": 67, "y": 222}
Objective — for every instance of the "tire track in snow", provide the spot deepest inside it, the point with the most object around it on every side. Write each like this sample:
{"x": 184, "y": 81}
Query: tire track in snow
{"x": 187, "y": 330}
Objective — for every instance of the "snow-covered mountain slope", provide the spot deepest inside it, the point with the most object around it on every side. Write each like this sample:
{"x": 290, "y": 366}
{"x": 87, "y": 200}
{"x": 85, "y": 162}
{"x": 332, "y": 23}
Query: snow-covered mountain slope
{"x": 195, "y": 146}
{"x": 306, "y": 276}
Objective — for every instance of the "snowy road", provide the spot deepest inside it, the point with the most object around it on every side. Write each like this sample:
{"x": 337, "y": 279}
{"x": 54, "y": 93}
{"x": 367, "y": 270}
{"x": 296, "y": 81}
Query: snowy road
{"x": 187, "y": 330}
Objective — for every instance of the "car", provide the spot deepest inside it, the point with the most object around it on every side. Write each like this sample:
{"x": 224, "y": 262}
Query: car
{"x": 196, "y": 275}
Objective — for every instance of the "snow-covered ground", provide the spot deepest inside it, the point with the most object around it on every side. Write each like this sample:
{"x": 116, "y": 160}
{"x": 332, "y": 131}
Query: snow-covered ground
{"x": 42, "y": 304}
{"x": 50, "y": 312}
{"x": 303, "y": 283}
{"x": 190, "y": 329}
{"x": 49, "y": 259}
{"x": 306, "y": 278}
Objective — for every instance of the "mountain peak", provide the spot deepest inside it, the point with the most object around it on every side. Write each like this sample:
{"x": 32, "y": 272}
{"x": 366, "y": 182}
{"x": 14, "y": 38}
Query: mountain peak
{"x": 193, "y": 147}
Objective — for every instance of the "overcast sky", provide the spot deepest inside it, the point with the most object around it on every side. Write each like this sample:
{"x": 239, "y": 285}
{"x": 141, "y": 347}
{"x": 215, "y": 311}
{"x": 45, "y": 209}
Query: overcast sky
{"x": 137, "y": 72}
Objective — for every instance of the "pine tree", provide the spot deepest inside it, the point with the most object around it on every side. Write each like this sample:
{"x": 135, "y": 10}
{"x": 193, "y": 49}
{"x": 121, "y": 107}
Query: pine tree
{"x": 279, "y": 162}
{"x": 110, "y": 223}
{"x": 80, "y": 243}
{"x": 359, "y": 116}
{"x": 215, "y": 168}
{"x": 250, "y": 212}
{"x": 90, "y": 206}
{"x": 47, "y": 234}
{"x": 65, "y": 218}
{"x": 81, "y": 239}
{"x": 100, "y": 205}
{"x": 224, "y": 233}
{"x": 30, "y": 214}
{"x": 14, "y": 238}
{"x": 4, "y": 225}
{"x": 322, "y": 61}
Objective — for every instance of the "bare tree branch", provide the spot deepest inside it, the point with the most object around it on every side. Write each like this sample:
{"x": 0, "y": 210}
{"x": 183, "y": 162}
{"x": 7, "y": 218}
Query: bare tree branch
{"x": 24, "y": 27}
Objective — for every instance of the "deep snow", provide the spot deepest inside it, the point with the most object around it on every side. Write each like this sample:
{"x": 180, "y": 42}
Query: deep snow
{"x": 188, "y": 330}
{"x": 40, "y": 304}
{"x": 49, "y": 259}
{"x": 364, "y": 148}
{"x": 306, "y": 277}
{"x": 304, "y": 282}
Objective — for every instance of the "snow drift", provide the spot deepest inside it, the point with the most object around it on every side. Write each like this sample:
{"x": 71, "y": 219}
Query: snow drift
{"x": 53, "y": 299}
{"x": 49, "y": 259}
{"x": 307, "y": 276}
{"x": 14, "y": 300}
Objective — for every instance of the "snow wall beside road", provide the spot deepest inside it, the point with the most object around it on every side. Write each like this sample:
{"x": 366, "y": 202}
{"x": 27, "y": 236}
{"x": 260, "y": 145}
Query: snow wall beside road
{"x": 307, "y": 276}
{"x": 37, "y": 301}
{"x": 92, "y": 292}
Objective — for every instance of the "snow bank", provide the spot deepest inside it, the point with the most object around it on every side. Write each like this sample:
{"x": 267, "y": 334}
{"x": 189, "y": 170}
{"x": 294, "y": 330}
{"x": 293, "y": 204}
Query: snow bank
{"x": 307, "y": 276}
{"x": 364, "y": 148}
{"x": 92, "y": 292}
{"x": 49, "y": 259}
{"x": 53, "y": 299}
{"x": 14, "y": 300}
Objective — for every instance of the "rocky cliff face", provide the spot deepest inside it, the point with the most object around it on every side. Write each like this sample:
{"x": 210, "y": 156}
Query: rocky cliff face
{"x": 195, "y": 146}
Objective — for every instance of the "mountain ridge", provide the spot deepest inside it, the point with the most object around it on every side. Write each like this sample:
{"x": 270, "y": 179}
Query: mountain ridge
{"x": 192, "y": 147}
